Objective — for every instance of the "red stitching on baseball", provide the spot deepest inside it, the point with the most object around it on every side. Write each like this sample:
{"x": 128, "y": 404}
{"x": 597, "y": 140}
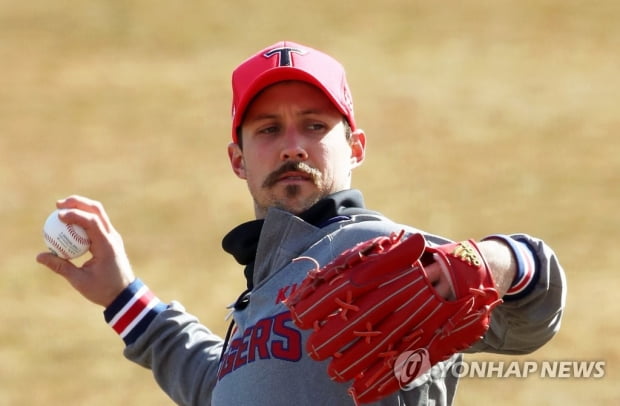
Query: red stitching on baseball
{"x": 55, "y": 244}
{"x": 76, "y": 236}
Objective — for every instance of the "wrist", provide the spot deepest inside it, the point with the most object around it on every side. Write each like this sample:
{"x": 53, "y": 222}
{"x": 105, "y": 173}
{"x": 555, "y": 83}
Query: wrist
{"x": 523, "y": 266}
{"x": 501, "y": 263}
{"x": 133, "y": 310}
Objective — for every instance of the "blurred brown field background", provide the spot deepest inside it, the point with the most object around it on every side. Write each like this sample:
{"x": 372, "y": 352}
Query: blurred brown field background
{"x": 482, "y": 117}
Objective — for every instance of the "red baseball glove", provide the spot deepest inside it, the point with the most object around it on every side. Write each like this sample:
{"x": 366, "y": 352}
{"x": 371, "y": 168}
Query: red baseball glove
{"x": 374, "y": 302}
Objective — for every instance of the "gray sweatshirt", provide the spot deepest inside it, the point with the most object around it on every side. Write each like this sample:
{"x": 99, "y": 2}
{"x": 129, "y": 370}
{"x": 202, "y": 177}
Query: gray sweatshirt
{"x": 265, "y": 362}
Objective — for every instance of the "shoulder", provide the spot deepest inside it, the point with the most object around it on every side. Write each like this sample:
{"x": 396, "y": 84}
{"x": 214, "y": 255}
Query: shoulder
{"x": 363, "y": 227}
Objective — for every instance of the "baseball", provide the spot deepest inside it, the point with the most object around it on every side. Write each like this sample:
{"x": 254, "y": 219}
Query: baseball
{"x": 64, "y": 240}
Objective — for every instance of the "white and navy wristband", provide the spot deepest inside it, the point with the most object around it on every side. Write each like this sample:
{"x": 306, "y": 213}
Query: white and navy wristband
{"x": 132, "y": 311}
{"x": 527, "y": 268}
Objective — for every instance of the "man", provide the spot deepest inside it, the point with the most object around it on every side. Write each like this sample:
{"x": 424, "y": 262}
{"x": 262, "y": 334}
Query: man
{"x": 295, "y": 143}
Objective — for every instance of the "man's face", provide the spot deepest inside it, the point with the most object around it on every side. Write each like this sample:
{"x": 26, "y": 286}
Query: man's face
{"x": 295, "y": 151}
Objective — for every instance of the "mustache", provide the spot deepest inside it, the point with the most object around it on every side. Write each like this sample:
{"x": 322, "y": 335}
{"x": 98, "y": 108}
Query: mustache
{"x": 291, "y": 166}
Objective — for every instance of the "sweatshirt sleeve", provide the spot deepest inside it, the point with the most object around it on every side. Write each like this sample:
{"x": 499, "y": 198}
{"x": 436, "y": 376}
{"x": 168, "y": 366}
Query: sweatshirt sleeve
{"x": 532, "y": 310}
{"x": 182, "y": 354}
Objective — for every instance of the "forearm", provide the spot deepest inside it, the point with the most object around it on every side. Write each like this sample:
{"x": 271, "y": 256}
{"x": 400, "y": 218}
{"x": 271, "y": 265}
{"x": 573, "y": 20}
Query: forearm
{"x": 532, "y": 311}
{"x": 182, "y": 354}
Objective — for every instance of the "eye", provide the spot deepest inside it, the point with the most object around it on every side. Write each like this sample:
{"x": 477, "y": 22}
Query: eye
{"x": 268, "y": 130}
{"x": 316, "y": 127}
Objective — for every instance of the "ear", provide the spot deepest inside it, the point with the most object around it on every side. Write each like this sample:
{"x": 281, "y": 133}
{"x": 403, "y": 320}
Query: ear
{"x": 235, "y": 155}
{"x": 358, "y": 147}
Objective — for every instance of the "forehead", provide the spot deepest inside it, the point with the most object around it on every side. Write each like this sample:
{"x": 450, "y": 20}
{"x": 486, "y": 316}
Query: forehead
{"x": 291, "y": 93}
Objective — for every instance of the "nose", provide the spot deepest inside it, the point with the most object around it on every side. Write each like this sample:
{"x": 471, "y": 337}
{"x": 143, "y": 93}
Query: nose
{"x": 293, "y": 148}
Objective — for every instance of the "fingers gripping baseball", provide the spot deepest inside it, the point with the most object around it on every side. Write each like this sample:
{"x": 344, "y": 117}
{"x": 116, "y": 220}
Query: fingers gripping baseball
{"x": 101, "y": 278}
{"x": 88, "y": 214}
{"x": 377, "y": 300}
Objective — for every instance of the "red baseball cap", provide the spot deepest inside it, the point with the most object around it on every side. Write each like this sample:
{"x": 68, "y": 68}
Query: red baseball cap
{"x": 289, "y": 61}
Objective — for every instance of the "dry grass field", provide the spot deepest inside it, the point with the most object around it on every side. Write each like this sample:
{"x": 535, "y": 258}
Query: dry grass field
{"x": 482, "y": 117}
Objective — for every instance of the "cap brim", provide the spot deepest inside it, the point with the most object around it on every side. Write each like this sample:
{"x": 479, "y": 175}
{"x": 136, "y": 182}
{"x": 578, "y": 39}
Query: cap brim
{"x": 273, "y": 76}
